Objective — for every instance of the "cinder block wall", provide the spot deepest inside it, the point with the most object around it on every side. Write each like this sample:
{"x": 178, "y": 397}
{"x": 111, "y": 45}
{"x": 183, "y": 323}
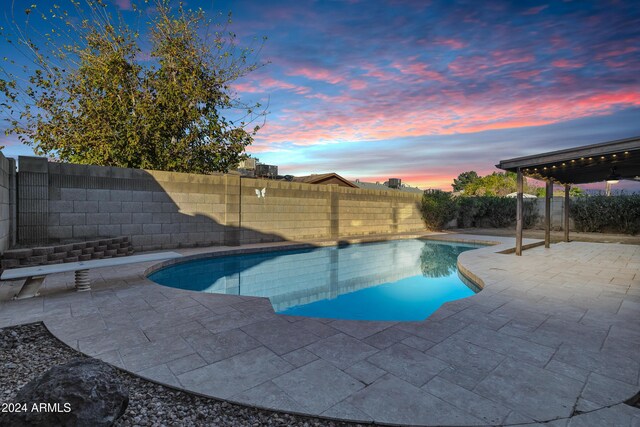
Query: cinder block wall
{"x": 159, "y": 210}
{"x": 557, "y": 213}
{"x": 155, "y": 209}
{"x": 7, "y": 202}
{"x": 288, "y": 210}
{"x": 377, "y": 211}
{"x": 297, "y": 211}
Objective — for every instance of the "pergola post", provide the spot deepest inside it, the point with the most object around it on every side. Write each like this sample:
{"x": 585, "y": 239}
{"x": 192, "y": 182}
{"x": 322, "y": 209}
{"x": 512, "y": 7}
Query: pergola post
{"x": 519, "y": 216}
{"x": 567, "y": 187}
{"x": 548, "y": 194}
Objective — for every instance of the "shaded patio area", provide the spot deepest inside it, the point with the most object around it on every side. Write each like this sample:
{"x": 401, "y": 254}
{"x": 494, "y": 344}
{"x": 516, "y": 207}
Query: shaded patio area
{"x": 607, "y": 161}
{"x": 552, "y": 336}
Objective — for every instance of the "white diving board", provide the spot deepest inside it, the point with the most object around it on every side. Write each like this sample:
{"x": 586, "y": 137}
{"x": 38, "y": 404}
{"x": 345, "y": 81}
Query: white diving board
{"x": 35, "y": 275}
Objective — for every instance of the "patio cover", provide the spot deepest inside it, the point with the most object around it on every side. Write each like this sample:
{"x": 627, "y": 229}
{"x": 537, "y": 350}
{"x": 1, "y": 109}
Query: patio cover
{"x": 619, "y": 159}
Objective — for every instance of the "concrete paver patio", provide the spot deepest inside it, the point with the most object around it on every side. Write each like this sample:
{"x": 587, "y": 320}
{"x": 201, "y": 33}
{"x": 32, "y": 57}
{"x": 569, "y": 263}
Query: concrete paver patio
{"x": 553, "y": 337}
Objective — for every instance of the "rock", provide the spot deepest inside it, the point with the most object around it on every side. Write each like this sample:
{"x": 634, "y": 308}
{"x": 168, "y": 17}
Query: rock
{"x": 87, "y": 392}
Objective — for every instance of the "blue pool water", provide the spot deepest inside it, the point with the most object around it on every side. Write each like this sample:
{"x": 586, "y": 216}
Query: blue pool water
{"x": 395, "y": 280}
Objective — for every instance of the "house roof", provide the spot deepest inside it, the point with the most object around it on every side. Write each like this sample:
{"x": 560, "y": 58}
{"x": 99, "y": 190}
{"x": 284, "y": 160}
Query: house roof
{"x": 378, "y": 186}
{"x": 325, "y": 179}
{"x": 581, "y": 165}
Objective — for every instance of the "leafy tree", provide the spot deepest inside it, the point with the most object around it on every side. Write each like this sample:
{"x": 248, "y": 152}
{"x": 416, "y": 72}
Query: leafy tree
{"x": 438, "y": 208}
{"x": 496, "y": 184}
{"x": 573, "y": 192}
{"x": 96, "y": 96}
{"x": 576, "y": 192}
{"x": 463, "y": 179}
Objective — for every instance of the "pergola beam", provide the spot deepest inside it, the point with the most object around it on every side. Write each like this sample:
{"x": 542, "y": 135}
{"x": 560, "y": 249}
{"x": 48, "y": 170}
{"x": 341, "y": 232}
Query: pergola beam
{"x": 567, "y": 187}
{"x": 582, "y": 165}
{"x": 594, "y": 150}
{"x": 548, "y": 194}
{"x": 519, "y": 213}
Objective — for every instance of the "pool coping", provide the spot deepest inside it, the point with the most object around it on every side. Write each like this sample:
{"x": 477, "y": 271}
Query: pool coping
{"x": 470, "y": 260}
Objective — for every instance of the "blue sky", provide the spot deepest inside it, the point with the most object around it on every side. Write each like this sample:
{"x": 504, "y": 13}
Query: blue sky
{"x": 424, "y": 90}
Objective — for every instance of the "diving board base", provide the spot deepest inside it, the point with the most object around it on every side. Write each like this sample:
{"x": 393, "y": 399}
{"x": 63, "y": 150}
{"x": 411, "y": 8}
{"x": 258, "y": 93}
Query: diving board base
{"x": 30, "y": 288}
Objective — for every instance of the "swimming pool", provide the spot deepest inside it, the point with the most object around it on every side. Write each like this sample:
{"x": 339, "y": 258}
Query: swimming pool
{"x": 400, "y": 280}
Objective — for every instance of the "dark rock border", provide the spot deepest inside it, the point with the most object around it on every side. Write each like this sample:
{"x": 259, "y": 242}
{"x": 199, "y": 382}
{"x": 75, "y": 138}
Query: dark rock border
{"x": 70, "y": 252}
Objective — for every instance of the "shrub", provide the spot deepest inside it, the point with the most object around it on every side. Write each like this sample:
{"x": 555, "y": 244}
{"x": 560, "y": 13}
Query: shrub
{"x": 438, "y": 208}
{"x": 601, "y": 213}
{"x": 492, "y": 211}
{"x": 470, "y": 209}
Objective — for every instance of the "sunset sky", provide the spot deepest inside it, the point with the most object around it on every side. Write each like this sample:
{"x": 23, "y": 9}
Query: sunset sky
{"x": 424, "y": 90}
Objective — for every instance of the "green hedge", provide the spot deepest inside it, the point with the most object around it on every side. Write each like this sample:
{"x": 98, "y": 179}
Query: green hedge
{"x": 616, "y": 214}
{"x": 439, "y": 207}
{"x": 492, "y": 211}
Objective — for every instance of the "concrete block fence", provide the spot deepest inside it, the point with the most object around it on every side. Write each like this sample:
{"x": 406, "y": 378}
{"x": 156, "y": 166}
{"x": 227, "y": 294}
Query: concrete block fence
{"x": 7, "y": 203}
{"x": 61, "y": 203}
{"x": 557, "y": 213}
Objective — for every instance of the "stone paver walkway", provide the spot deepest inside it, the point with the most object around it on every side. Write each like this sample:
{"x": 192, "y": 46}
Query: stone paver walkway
{"x": 553, "y": 337}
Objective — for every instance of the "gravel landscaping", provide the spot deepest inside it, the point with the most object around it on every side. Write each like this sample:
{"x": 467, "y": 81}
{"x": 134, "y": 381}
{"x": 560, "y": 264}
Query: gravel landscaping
{"x": 28, "y": 351}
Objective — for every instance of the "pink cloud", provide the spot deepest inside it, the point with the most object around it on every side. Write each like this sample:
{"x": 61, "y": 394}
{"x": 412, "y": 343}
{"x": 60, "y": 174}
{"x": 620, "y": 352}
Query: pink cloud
{"x": 316, "y": 73}
{"x": 357, "y": 84}
{"x": 379, "y": 73}
{"x": 124, "y": 4}
{"x": 268, "y": 84}
{"x": 525, "y": 74}
{"x": 441, "y": 114}
{"x": 511, "y": 56}
{"x": 558, "y": 42}
{"x": 566, "y": 63}
{"x": 535, "y": 10}
{"x": 467, "y": 66}
{"x": 421, "y": 70}
{"x": 616, "y": 52}
{"x": 451, "y": 43}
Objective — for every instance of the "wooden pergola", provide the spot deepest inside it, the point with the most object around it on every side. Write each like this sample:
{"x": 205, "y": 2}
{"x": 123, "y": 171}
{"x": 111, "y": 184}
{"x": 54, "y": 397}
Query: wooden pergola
{"x": 606, "y": 161}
